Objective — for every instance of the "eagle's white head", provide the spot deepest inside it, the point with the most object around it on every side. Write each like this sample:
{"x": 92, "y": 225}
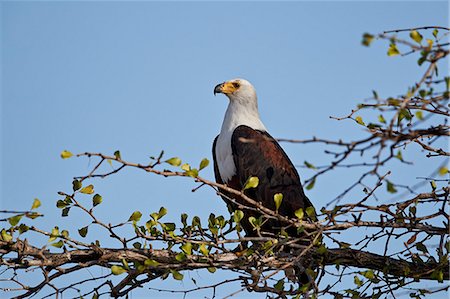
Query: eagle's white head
{"x": 238, "y": 90}
{"x": 242, "y": 110}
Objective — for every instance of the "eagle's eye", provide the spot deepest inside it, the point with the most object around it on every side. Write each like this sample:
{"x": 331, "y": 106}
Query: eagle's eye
{"x": 236, "y": 85}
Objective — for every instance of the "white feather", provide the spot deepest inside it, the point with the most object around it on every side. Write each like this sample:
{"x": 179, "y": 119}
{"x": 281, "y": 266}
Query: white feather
{"x": 242, "y": 110}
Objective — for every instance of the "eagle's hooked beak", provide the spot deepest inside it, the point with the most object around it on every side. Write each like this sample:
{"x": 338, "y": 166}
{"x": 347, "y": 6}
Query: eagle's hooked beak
{"x": 218, "y": 88}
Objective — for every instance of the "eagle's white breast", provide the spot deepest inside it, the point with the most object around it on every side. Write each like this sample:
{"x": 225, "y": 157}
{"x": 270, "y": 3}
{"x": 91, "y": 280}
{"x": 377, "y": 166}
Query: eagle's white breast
{"x": 242, "y": 110}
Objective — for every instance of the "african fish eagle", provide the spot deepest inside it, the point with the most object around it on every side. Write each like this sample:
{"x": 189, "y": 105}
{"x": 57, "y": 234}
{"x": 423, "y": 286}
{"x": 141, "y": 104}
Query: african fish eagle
{"x": 245, "y": 149}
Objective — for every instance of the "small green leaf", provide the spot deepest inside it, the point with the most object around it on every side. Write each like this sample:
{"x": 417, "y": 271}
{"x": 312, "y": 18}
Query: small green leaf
{"x": 253, "y": 221}
{"x": 390, "y": 187}
{"x": 5, "y": 236}
{"x": 151, "y": 263}
{"x": 419, "y": 115}
{"x": 381, "y": 119}
{"x": 96, "y": 200}
{"x": 278, "y": 198}
{"x": 187, "y": 248}
{"x": 367, "y": 39}
{"x": 136, "y": 216}
{"x": 399, "y": 155}
{"x": 186, "y": 167}
{"x": 54, "y": 234}
{"x": 311, "y": 212}
{"x": 311, "y": 184}
{"x": 14, "y": 220}
{"x": 204, "y": 163}
{"x": 252, "y": 182}
{"x": 76, "y": 185}
{"x": 65, "y": 233}
{"x": 87, "y": 190}
{"x": 359, "y": 120}
{"x": 162, "y": 212}
{"x": 443, "y": 171}
{"x": 117, "y": 270}
{"x": 66, "y": 154}
{"x": 36, "y": 204}
{"x": 176, "y": 275}
{"x": 211, "y": 269}
{"x": 137, "y": 245}
{"x": 117, "y": 155}
{"x": 309, "y": 165}
{"x": 368, "y": 274}
{"x": 416, "y": 36}
{"x": 421, "y": 247}
{"x": 299, "y": 213}
{"x": 83, "y": 231}
{"x": 193, "y": 173}
{"x": 357, "y": 281}
{"x": 238, "y": 215}
{"x": 58, "y": 244}
{"x": 435, "y": 33}
{"x": 65, "y": 212}
{"x": 393, "y": 51}
{"x": 181, "y": 257}
{"x": 175, "y": 161}
{"x": 23, "y": 228}
{"x": 279, "y": 285}
{"x": 203, "y": 249}
{"x": 433, "y": 185}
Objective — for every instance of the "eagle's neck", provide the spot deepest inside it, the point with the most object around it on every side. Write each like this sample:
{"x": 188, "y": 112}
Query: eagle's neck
{"x": 238, "y": 113}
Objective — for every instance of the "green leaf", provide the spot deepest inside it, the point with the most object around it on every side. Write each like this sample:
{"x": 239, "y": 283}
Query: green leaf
{"x": 36, "y": 204}
{"x": 5, "y": 236}
{"x": 299, "y": 213}
{"x": 187, "y": 248}
{"x": 162, "y": 212}
{"x": 176, "y": 275}
{"x": 14, "y": 220}
{"x": 279, "y": 285}
{"x": 193, "y": 173}
{"x": 211, "y": 269}
{"x": 88, "y": 189}
{"x": 136, "y": 216}
{"x": 238, "y": 215}
{"x": 278, "y": 198}
{"x": 433, "y": 185}
{"x": 76, "y": 185}
{"x": 204, "y": 163}
{"x": 435, "y": 33}
{"x": 181, "y": 257}
{"x": 117, "y": 270}
{"x": 252, "y": 182}
{"x": 421, "y": 247}
{"x": 381, "y": 119}
{"x": 117, "y": 155}
{"x": 175, "y": 161}
{"x": 367, "y": 39}
{"x": 311, "y": 212}
{"x": 390, "y": 187}
{"x": 23, "y": 228}
{"x": 58, "y": 244}
{"x": 253, "y": 221}
{"x": 357, "y": 281}
{"x": 151, "y": 263}
{"x": 416, "y": 36}
{"x": 311, "y": 184}
{"x": 96, "y": 200}
{"x": 66, "y": 154}
{"x": 83, "y": 231}
{"x": 203, "y": 249}
{"x": 54, "y": 234}
{"x": 137, "y": 245}
{"x": 443, "y": 171}
{"x": 393, "y": 51}
{"x": 359, "y": 120}
{"x": 368, "y": 274}
{"x": 419, "y": 115}
{"x": 61, "y": 204}
{"x": 399, "y": 155}
{"x": 186, "y": 167}
{"x": 65, "y": 233}
{"x": 65, "y": 212}
{"x": 309, "y": 165}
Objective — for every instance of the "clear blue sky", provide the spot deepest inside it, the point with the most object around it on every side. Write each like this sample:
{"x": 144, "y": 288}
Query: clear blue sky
{"x": 102, "y": 76}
